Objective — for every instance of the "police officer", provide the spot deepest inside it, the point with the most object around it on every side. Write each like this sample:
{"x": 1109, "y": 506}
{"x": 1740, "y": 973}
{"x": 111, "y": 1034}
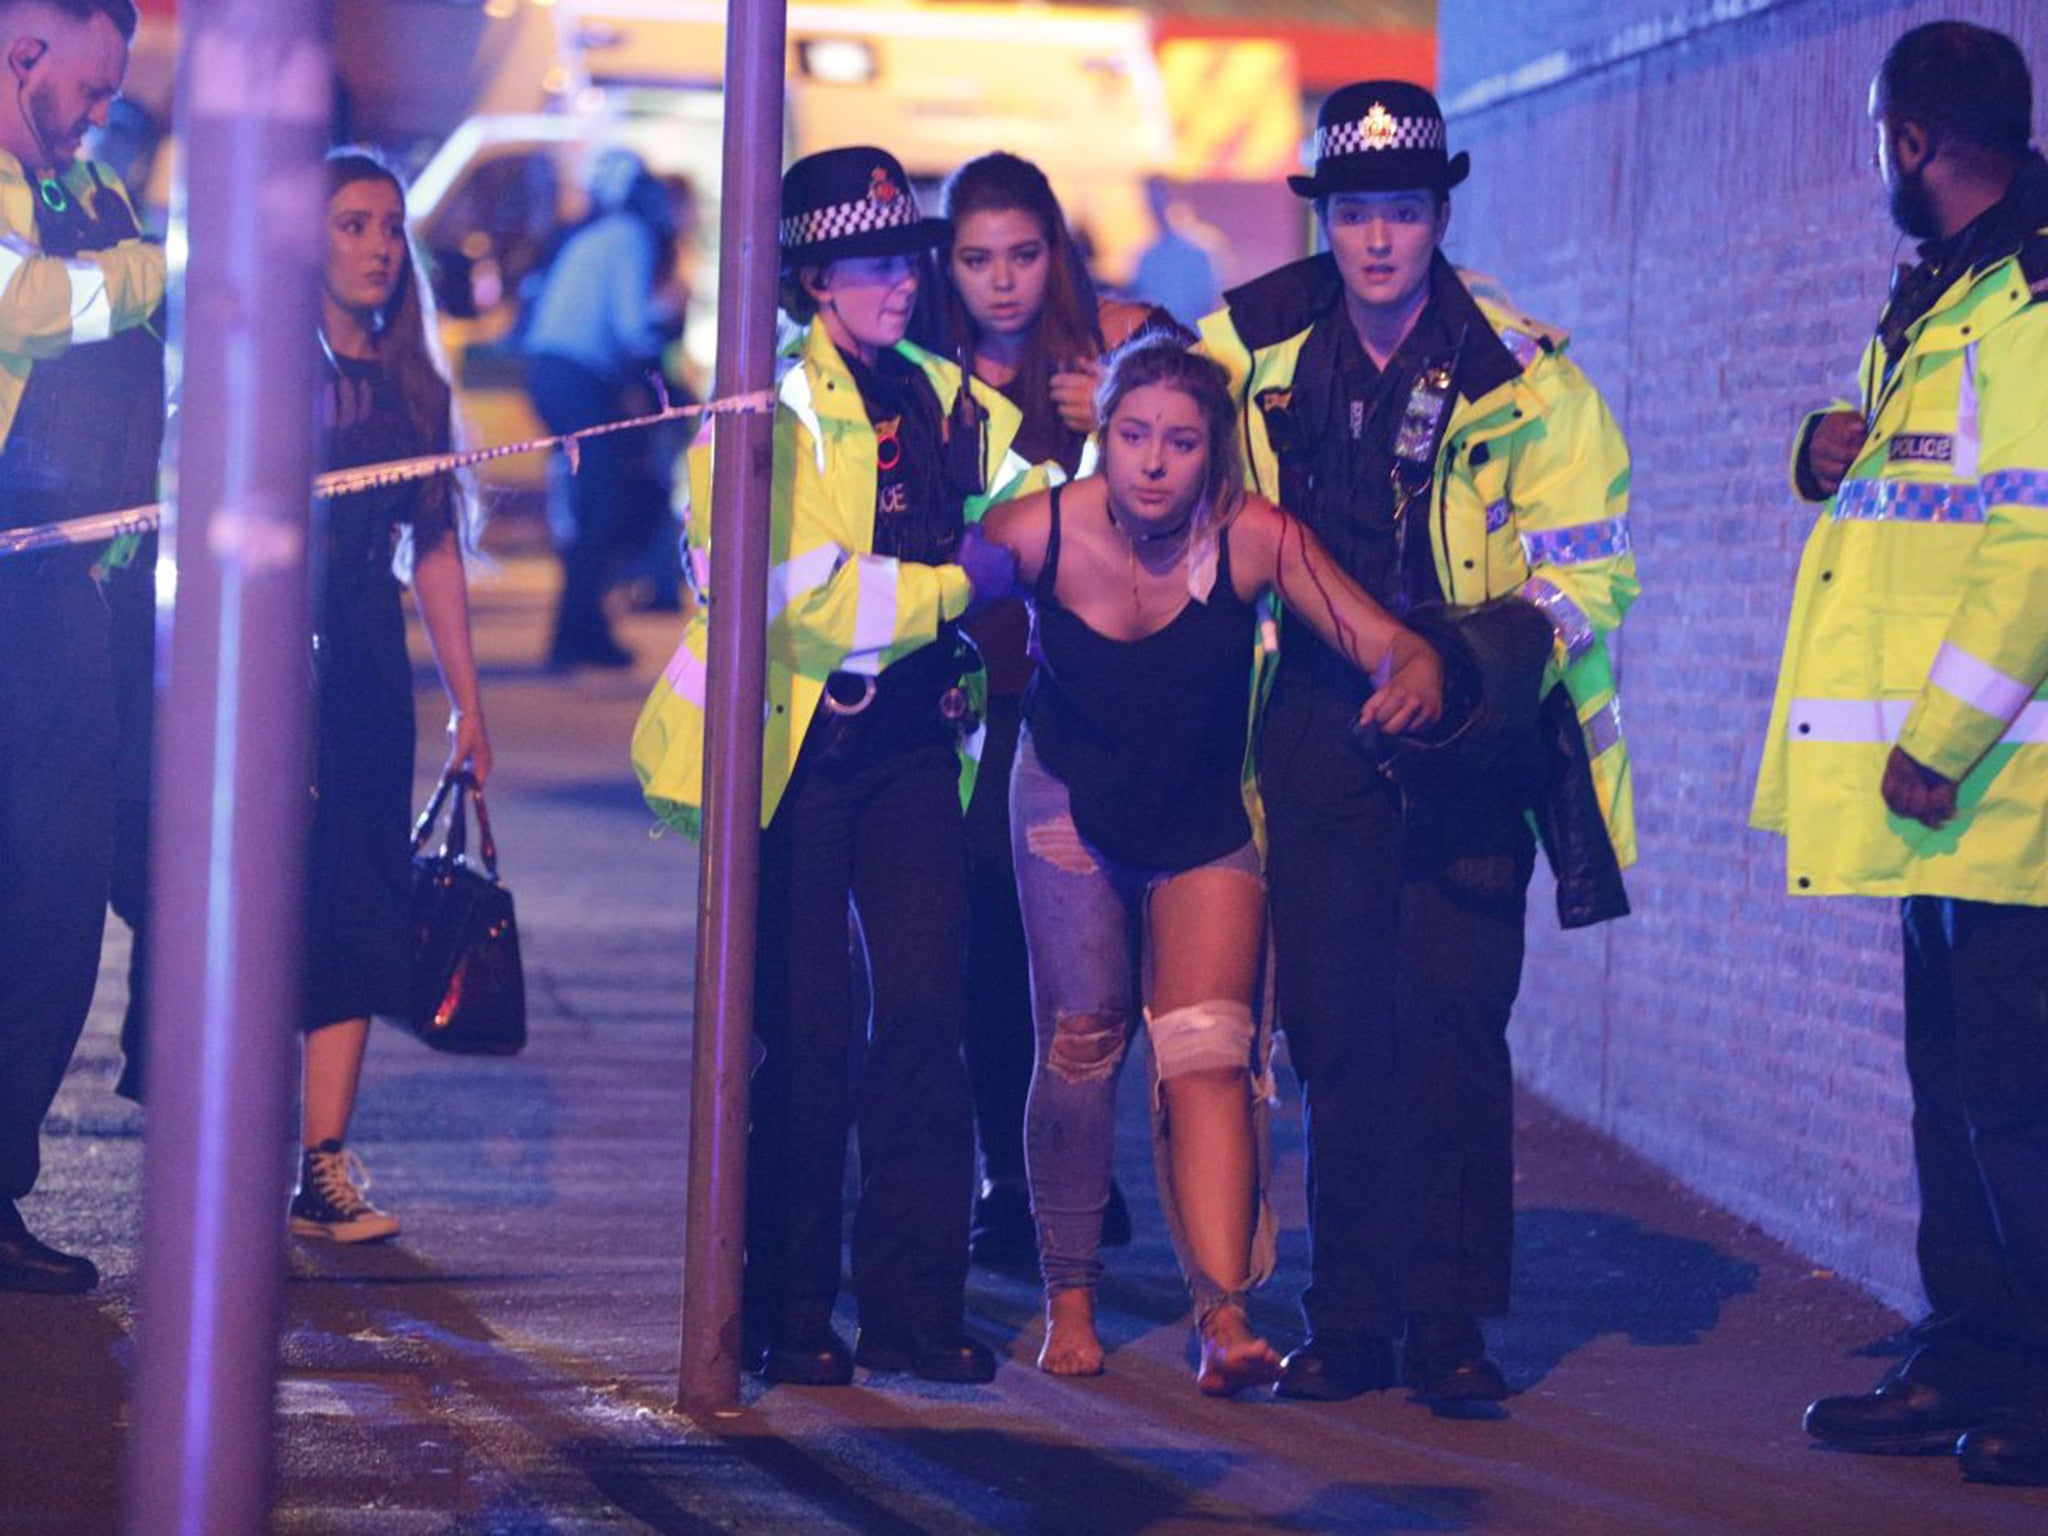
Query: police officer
{"x": 884, "y": 454}
{"x": 1908, "y": 753}
{"x": 1444, "y": 450}
{"x": 81, "y": 421}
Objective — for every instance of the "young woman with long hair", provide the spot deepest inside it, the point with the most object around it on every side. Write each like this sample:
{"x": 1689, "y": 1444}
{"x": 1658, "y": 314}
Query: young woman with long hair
{"x": 385, "y": 396}
{"x": 1132, "y": 838}
{"x": 1013, "y": 304}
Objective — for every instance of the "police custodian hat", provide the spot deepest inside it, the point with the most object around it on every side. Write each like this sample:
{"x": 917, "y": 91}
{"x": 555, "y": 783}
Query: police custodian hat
{"x": 852, "y": 202}
{"x": 1381, "y": 136}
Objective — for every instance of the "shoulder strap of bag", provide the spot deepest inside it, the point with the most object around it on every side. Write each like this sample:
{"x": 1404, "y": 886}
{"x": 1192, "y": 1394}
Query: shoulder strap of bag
{"x": 467, "y": 793}
{"x": 475, "y": 793}
{"x": 423, "y": 829}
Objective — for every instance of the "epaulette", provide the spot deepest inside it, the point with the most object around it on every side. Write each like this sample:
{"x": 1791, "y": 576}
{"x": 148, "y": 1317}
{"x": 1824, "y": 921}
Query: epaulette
{"x": 2034, "y": 263}
{"x": 1524, "y": 346}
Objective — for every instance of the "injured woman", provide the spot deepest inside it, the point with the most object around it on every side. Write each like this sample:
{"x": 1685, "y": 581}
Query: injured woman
{"x": 1137, "y": 867}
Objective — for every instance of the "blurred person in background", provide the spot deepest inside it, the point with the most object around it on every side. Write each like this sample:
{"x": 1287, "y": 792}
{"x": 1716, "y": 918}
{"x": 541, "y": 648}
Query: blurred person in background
{"x": 384, "y": 396}
{"x": 650, "y": 538}
{"x": 81, "y": 427}
{"x": 1013, "y": 304}
{"x": 607, "y": 310}
{"x": 134, "y": 142}
{"x": 1175, "y": 272}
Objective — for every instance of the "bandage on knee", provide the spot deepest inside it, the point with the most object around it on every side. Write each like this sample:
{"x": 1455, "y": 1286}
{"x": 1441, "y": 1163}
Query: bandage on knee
{"x": 1212, "y": 1036}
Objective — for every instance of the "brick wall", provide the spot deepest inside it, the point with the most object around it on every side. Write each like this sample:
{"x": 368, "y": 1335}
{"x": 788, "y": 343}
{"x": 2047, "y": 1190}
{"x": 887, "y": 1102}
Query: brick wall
{"x": 1704, "y": 218}
{"x": 1480, "y": 41}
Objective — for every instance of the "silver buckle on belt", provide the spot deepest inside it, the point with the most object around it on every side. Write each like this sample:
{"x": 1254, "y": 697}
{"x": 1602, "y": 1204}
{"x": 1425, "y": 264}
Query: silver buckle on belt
{"x": 867, "y": 697}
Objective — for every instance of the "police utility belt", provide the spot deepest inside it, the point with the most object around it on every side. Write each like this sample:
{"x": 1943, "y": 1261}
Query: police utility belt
{"x": 919, "y": 699}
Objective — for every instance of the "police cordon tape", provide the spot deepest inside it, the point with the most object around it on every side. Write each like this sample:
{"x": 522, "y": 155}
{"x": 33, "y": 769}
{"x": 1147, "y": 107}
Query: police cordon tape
{"x": 102, "y": 526}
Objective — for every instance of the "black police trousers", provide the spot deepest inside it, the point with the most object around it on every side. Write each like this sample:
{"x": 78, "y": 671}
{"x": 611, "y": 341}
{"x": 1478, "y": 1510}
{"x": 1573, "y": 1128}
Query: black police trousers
{"x": 57, "y": 772}
{"x": 1977, "y": 1057}
{"x": 880, "y": 827}
{"x": 1398, "y": 936}
{"x": 1000, "y": 1040}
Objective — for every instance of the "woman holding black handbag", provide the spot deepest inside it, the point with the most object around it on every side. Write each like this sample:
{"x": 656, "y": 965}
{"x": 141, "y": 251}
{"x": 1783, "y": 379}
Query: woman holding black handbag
{"x": 384, "y": 397}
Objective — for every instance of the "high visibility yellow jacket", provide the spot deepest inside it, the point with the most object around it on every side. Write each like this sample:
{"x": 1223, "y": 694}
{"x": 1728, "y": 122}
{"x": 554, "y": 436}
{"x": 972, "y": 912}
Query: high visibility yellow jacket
{"x": 833, "y": 604}
{"x": 49, "y": 304}
{"x": 1530, "y": 495}
{"x": 1920, "y": 616}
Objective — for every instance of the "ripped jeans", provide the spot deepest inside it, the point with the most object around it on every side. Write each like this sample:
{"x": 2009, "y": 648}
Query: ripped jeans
{"x": 1085, "y": 923}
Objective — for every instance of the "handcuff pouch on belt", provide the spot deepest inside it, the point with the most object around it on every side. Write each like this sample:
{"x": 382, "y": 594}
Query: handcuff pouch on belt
{"x": 856, "y": 707}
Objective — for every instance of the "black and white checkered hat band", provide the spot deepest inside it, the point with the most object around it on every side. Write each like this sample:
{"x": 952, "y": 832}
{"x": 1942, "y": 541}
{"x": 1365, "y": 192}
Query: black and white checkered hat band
{"x": 1379, "y": 131}
{"x": 836, "y": 221}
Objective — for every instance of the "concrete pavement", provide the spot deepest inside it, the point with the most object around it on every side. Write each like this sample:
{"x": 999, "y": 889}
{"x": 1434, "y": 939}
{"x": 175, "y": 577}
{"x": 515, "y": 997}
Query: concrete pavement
{"x": 509, "y": 1363}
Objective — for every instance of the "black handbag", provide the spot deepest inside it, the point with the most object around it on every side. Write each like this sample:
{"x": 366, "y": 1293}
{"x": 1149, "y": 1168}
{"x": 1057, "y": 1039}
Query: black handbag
{"x": 468, "y": 990}
{"x": 1499, "y": 727}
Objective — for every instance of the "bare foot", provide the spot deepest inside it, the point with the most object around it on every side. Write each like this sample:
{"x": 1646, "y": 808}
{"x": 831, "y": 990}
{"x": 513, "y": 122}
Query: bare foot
{"x": 1233, "y": 1357}
{"x": 1071, "y": 1347}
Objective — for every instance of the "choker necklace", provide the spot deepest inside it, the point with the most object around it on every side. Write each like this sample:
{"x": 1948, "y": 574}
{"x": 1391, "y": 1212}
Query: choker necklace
{"x": 1132, "y": 542}
{"x": 1157, "y": 536}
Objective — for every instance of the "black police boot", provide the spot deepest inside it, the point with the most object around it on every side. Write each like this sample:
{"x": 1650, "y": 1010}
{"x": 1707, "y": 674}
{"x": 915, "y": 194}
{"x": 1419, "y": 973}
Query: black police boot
{"x": 1902, "y": 1416}
{"x": 1329, "y": 1369}
{"x": 930, "y": 1352}
{"x": 813, "y": 1356}
{"x": 1444, "y": 1359}
{"x": 2014, "y": 1450}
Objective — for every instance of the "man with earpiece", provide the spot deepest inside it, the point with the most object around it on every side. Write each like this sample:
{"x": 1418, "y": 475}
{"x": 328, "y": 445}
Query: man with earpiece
{"x": 81, "y": 424}
{"x": 1908, "y": 748}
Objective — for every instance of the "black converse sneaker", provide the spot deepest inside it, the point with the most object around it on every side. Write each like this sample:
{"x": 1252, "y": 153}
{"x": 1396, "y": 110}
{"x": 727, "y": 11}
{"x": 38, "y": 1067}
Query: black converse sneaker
{"x": 329, "y": 1200}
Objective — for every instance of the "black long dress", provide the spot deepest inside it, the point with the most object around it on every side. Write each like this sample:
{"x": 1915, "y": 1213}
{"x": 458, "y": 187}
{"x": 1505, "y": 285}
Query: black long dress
{"x": 359, "y": 879}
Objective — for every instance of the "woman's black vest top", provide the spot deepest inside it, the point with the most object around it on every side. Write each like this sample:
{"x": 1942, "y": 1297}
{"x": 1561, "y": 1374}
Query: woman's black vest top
{"x": 1148, "y": 735}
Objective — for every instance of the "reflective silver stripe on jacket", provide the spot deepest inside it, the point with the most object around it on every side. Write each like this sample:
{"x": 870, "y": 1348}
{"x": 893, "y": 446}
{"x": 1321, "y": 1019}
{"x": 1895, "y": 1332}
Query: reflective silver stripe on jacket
{"x": 1977, "y": 683}
{"x": 1882, "y": 720}
{"x": 685, "y": 675}
{"x": 1577, "y": 545}
{"x": 1526, "y": 348}
{"x": 874, "y": 612}
{"x": 800, "y": 573}
{"x": 795, "y": 392}
{"x": 92, "y": 309}
{"x": 2016, "y": 488}
{"x": 1939, "y": 501}
{"x": 1603, "y": 730}
{"x": 1566, "y": 617}
{"x": 1906, "y": 501}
